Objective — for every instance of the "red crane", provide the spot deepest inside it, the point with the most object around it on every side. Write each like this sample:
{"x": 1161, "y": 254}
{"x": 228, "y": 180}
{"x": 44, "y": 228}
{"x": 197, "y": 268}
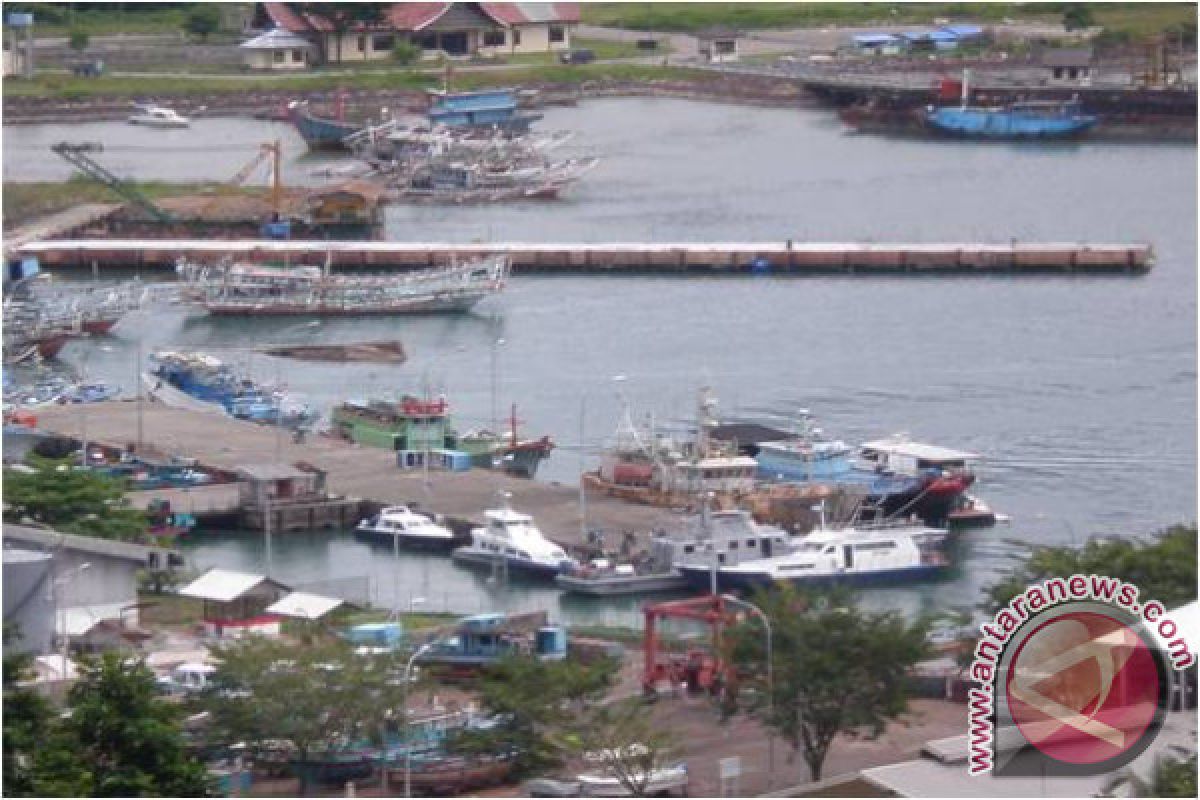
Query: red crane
{"x": 700, "y": 669}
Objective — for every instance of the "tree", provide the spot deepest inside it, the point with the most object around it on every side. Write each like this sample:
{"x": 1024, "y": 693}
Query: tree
{"x": 625, "y": 741}
{"x": 1163, "y": 567}
{"x": 1172, "y": 777}
{"x": 202, "y": 20}
{"x": 71, "y": 500}
{"x": 537, "y": 703}
{"x": 1077, "y": 17}
{"x": 120, "y": 740}
{"x": 837, "y": 669}
{"x": 26, "y": 720}
{"x": 405, "y": 53}
{"x": 343, "y": 16}
{"x": 311, "y": 694}
{"x": 78, "y": 40}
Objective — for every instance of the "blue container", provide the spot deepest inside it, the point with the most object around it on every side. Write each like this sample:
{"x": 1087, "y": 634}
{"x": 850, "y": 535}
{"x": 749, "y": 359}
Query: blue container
{"x": 551, "y": 643}
{"x": 277, "y": 230}
{"x": 483, "y": 622}
{"x": 375, "y": 634}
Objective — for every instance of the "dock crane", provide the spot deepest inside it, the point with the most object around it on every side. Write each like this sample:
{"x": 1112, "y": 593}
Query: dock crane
{"x": 77, "y": 155}
{"x": 699, "y": 669}
{"x": 272, "y": 150}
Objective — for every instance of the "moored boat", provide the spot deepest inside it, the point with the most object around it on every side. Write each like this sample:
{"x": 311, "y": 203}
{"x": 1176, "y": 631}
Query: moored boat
{"x": 400, "y": 525}
{"x": 208, "y": 380}
{"x": 246, "y": 289}
{"x": 318, "y": 132}
{"x": 150, "y": 116}
{"x": 850, "y": 555}
{"x": 1024, "y": 120}
{"x": 510, "y": 540}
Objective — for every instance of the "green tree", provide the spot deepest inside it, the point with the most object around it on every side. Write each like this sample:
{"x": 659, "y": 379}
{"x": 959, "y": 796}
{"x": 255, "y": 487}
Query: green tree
{"x": 1163, "y": 567}
{"x": 1077, "y": 17}
{"x": 120, "y": 739}
{"x": 626, "y": 743}
{"x": 26, "y": 720}
{"x": 344, "y": 16}
{"x": 1172, "y": 777}
{"x": 837, "y": 669}
{"x": 78, "y": 40}
{"x": 405, "y": 53}
{"x": 202, "y": 20}
{"x": 537, "y": 703}
{"x": 71, "y": 500}
{"x": 311, "y": 694}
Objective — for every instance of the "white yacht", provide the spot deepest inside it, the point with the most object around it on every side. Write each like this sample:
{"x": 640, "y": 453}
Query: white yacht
{"x": 511, "y": 539}
{"x": 401, "y": 525}
{"x": 858, "y": 556}
{"x": 158, "y": 117}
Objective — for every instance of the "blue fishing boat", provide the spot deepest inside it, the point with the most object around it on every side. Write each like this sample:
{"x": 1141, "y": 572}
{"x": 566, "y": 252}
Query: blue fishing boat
{"x": 1027, "y": 120}
{"x": 492, "y": 108}
{"x": 208, "y": 380}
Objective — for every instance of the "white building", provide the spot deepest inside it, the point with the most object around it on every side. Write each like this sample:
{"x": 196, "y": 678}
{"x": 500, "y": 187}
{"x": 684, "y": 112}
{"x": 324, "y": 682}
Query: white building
{"x": 278, "y": 49}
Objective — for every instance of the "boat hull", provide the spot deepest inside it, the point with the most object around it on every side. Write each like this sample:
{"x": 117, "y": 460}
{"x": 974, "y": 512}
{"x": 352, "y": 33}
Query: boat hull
{"x": 425, "y": 305}
{"x": 479, "y": 558}
{"x": 407, "y": 541}
{"x": 700, "y": 577}
{"x": 320, "y": 133}
{"x": 986, "y": 124}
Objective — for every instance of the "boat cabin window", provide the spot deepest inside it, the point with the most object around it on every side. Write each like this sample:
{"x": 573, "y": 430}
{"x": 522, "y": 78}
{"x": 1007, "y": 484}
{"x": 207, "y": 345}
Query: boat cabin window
{"x": 689, "y": 549}
{"x": 733, "y": 545}
{"x": 810, "y": 548}
{"x": 795, "y": 566}
{"x": 752, "y": 543}
{"x": 828, "y": 550}
{"x": 720, "y": 558}
{"x": 867, "y": 546}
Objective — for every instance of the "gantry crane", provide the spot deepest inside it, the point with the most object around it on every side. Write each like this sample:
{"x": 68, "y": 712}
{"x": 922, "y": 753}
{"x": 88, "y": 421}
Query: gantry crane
{"x": 77, "y": 155}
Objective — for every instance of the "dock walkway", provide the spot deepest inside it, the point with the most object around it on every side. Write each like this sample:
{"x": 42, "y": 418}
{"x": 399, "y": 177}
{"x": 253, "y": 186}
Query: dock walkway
{"x": 353, "y": 470}
{"x": 57, "y": 224}
{"x": 789, "y": 256}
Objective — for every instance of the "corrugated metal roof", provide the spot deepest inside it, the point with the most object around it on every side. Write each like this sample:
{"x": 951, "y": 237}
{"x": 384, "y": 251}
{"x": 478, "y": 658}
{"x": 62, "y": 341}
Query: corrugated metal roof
{"x": 221, "y": 585}
{"x": 874, "y": 38}
{"x": 270, "y": 472}
{"x": 78, "y": 620}
{"x": 1067, "y": 57}
{"x": 303, "y": 605}
{"x": 963, "y": 30}
{"x": 277, "y": 39}
{"x": 51, "y": 539}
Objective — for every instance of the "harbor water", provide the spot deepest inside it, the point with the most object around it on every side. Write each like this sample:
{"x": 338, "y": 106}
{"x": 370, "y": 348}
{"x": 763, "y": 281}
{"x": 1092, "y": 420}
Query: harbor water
{"x": 1079, "y": 392}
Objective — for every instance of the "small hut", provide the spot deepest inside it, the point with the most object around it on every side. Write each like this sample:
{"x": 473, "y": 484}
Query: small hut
{"x": 1067, "y": 66}
{"x": 235, "y": 604}
{"x": 277, "y": 49}
{"x": 718, "y": 45}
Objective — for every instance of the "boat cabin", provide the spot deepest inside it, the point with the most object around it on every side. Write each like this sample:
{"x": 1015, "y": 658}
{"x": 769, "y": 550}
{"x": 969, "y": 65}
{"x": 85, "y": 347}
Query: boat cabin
{"x": 1067, "y": 66}
{"x": 717, "y": 474}
{"x": 904, "y": 457}
{"x": 732, "y": 536}
{"x": 485, "y": 638}
{"x": 410, "y": 424}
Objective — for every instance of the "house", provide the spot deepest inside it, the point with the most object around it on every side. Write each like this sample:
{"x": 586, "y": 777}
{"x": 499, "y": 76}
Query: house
{"x": 235, "y": 603}
{"x": 81, "y": 582}
{"x": 718, "y": 45}
{"x": 278, "y": 49}
{"x": 350, "y": 208}
{"x": 879, "y": 44}
{"x": 452, "y": 29}
{"x": 290, "y": 497}
{"x": 1067, "y": 66}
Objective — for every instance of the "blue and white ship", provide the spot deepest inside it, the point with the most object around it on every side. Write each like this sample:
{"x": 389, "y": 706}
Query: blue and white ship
{"x": 491, "y": 108}
{"x": 898, "y": 477}
{"x": 209, "y": 380}
{"x": 853, "y": 555}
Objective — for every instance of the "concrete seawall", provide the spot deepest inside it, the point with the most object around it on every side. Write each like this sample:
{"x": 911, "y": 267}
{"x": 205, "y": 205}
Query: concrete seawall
{"x": 622, "y": 257}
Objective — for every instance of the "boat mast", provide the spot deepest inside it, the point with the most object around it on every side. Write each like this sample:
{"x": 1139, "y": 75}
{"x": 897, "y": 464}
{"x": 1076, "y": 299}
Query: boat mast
{"x": 966, "y": 91}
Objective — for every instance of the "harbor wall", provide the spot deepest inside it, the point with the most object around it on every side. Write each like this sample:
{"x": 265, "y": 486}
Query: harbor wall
{"x": 623, "y": 258}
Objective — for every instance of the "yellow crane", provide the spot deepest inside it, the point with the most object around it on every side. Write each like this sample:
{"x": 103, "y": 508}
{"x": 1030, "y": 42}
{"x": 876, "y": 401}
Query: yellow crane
{"x": 267, "y": 150}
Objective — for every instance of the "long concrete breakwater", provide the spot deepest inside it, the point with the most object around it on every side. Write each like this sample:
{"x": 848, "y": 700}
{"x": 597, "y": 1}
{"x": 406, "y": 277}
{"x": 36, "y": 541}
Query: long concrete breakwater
{"x": 789, "y": 256}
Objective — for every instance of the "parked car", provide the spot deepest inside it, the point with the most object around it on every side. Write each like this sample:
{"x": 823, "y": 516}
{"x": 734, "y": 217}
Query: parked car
{"x": 577, "y": 57}
{"x": 88, "y": 69}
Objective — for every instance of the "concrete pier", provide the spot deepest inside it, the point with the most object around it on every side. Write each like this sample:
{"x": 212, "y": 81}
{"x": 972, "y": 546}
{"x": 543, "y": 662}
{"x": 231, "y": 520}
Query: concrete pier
{"x": 365, "y": 473}
{"x": 787, "y": 257}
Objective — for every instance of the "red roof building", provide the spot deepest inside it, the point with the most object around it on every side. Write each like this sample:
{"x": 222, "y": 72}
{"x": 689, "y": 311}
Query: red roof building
{"x": 453, "y": 29}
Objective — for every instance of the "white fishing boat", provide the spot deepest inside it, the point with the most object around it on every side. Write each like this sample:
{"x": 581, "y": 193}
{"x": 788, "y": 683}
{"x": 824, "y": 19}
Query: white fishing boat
{"x": 401, "y": 525}
{"x": 512, "y": 540}
{"x": 158, "y": 117}
{"x": 249, "y": 289}
{"x": 850, "y": 555}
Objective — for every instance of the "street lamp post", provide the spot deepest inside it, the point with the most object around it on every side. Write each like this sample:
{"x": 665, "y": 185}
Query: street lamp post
{"x": 64, "y": 637}
{"x": 422, "y": 650}
{"x": 737, "y": 601}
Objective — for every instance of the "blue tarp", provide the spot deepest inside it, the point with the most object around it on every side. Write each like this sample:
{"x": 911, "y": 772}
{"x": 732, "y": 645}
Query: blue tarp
{"x": 930, "y": 36}
{"x": 964, "y": 31}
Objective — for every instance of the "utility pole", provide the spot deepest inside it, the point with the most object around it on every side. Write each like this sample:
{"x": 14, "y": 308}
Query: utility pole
{"x": 141, "y": 394}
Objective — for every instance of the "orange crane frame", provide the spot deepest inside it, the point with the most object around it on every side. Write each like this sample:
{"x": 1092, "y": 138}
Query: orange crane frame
{"x": 698, "y": 668}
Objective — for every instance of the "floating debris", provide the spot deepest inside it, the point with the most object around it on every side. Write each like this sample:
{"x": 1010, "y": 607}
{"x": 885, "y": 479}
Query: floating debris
{"x": 360, "y": 353}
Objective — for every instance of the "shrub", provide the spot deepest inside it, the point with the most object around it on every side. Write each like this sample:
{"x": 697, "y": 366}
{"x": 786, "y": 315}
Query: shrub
{"x": 405, "y": 53}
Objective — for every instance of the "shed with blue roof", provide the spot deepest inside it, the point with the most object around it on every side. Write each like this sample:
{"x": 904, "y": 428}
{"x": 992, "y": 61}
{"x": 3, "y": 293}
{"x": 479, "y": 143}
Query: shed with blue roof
{"x": 878, "y": 43}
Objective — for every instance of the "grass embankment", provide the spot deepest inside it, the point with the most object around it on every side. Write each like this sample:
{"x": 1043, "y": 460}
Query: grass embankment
{"x": 65, "y": 87}
{"x": 56, "y": 20}
{"x": 1138, "y": 19}
{"x": 24, "y": 202}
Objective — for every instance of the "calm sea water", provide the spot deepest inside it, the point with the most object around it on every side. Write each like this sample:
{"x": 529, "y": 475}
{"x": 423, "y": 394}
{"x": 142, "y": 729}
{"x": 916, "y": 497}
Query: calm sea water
{"x": 1080, "y": 392}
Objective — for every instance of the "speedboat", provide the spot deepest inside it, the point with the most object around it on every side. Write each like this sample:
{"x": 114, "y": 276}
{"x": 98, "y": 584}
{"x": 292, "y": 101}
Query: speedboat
{"x": 510, "y": 539}
{"x": 402, "y": 525}
{"x": 850, "y": 555}
{"x": 158, "y": 117}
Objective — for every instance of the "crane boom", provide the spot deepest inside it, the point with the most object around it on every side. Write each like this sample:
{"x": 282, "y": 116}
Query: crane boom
{"x": 76, "y": 154}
